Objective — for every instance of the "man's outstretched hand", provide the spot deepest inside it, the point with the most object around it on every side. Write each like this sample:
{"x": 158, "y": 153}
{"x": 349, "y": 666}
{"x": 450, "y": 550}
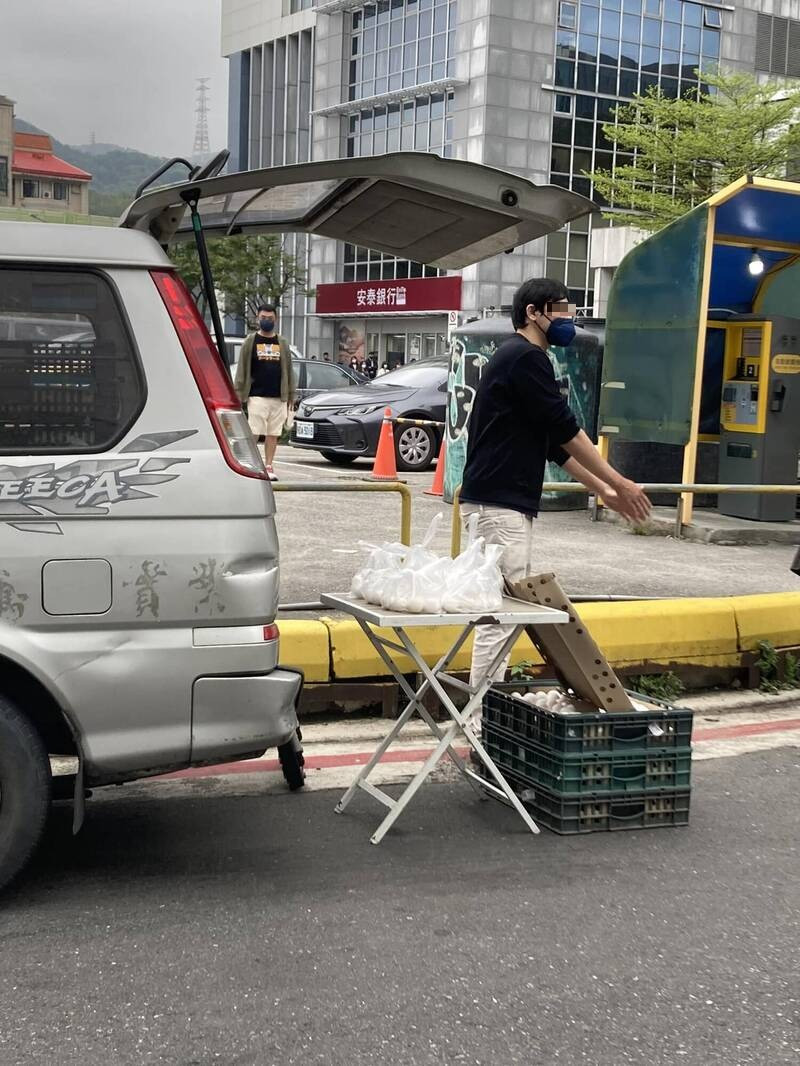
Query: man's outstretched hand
{"x": 627, "y": 499}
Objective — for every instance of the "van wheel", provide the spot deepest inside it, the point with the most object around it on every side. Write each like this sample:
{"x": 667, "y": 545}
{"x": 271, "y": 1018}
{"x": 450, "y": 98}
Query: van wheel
{"x": 24, "y": 790}
{"x": 292, "y": 762}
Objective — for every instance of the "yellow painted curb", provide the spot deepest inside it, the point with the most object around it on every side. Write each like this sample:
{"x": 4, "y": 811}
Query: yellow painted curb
{"x": 703, "y": 632}
{"x": 663, "y": 631}
{"x": 305, "y": 646}
{"x": 353, "y": 656}
{"x": 774, "y": 617}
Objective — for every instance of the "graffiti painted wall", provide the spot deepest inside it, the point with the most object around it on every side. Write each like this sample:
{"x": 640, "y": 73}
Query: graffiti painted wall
{"x": 577, "y": 369}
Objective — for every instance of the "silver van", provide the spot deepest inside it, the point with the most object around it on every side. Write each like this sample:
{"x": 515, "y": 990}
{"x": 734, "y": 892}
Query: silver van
{"x": 138, "y": 549}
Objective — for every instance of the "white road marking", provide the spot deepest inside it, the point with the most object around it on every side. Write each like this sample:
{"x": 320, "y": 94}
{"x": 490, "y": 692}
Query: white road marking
{"x": 359, "y": 737}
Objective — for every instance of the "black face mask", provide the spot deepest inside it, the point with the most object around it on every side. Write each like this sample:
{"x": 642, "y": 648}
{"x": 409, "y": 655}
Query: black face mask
{"x": 266, "y": 325}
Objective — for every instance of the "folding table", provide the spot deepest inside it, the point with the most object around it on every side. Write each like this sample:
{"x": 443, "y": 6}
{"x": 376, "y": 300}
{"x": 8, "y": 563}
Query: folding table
{"x": 514, "y": 613}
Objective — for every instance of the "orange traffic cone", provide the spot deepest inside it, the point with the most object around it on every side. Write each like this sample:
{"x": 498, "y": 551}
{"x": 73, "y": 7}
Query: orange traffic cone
{"x": 385, "y": 468}
{"x": 437, "y": 488}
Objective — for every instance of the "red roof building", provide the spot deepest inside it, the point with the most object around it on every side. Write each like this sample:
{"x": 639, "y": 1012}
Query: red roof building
{"x": 44, "y": 165}
{"x": 34, "y": 177}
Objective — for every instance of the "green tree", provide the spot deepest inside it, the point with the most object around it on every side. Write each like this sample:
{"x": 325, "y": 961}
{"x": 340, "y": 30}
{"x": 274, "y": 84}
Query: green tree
{"x": 247, "y": 271}
{"x": 680, "y": 151}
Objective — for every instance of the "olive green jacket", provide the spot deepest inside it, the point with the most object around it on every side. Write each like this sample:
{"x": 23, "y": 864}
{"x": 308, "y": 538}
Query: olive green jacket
{"x": 243, "y": 379}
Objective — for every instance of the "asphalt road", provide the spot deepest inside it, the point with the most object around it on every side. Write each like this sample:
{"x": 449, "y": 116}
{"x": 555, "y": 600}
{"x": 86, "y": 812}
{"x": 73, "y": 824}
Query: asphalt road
{"x": 319, "y": 537}
{"x": 252, "y": 932}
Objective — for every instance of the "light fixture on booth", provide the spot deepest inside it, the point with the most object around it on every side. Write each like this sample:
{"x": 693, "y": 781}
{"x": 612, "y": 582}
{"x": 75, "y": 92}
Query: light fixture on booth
{"x": 756, "y": 265}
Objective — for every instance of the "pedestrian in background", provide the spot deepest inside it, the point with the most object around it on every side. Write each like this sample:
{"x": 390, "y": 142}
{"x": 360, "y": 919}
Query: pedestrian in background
{"x": 383, "y": 370}
{"x": 265, "y": 383}
{"x": 519, "y": 421}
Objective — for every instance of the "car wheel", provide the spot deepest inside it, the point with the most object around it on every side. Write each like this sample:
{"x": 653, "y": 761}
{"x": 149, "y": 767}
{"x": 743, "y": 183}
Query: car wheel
{"x": 24, "y": 790}
{"x": 292, "y": 762}
{"x": 415, "y": 447}
{"x": 338, "y": 459}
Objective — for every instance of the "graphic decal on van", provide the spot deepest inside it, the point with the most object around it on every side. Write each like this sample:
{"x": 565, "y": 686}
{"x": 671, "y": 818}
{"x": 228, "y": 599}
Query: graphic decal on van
{"x": 84, "y": 486}
{"x": 206, "y": 576}
{"x": 12, "y": 603}
{"x": 151, "y": 442}
{"x": 147, "y": 597}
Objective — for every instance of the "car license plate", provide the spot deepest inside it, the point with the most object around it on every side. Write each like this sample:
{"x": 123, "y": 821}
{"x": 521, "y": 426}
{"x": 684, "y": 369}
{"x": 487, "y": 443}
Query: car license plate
{"x": 304, "y": 430}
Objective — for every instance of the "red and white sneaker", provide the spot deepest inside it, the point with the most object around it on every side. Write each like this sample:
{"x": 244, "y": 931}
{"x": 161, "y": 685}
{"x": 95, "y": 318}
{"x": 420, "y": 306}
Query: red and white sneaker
{"x": 271, "y": 474}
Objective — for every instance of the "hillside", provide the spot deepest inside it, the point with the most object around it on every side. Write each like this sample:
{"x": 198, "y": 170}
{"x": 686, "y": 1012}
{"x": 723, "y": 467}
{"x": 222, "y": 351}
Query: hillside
{"x": 116, "y": 171}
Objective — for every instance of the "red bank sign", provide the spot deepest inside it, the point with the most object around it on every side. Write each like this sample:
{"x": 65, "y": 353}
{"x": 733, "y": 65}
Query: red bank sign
{"x": 404, "y": 296}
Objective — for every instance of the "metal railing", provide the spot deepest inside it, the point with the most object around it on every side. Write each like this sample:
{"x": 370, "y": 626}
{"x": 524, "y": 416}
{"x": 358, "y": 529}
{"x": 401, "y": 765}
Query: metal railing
{"x": 652, "y": 487}
{"x": 358, "y": 486}
{"x": 416, "y": 422}
{"x": 349, "y": 486}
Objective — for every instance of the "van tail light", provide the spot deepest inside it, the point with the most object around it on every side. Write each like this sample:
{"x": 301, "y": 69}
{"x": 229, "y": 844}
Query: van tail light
{"x": 271, "y": 632}
{"x": 224, "y": 409}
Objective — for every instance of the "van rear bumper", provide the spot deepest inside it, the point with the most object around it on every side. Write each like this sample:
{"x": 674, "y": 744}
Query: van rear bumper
{"x": 237, "y": 716}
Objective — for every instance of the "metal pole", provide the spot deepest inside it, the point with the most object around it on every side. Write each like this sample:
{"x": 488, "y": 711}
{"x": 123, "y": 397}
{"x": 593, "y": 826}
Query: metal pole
{"x": 358, "y": 486}
{"x": 677, "y": 489}
{"x": 680, "y": 487}
{"x": 208, "y": 279}
{"x": 679, "y": 517}
{"x": 455, "y": 532}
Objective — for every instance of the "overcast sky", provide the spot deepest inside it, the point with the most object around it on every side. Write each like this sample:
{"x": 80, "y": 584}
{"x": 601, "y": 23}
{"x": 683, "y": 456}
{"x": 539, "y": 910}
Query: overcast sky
{"x": 123, "y": 69}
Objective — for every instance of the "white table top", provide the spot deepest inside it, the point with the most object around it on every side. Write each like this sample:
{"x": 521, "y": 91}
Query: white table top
{"x": 512, "y": 612}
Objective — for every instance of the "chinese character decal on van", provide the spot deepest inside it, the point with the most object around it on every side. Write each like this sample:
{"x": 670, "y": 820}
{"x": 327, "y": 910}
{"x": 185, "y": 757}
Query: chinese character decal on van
{"x": 12, "y": 603}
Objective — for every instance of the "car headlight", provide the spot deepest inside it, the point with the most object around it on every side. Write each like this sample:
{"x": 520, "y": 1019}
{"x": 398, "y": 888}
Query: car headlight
{"x": 363, "y": 409}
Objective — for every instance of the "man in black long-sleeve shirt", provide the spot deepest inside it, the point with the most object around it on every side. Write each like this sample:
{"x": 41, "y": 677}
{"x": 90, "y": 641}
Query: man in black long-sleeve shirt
{"x": 520, "y": 420}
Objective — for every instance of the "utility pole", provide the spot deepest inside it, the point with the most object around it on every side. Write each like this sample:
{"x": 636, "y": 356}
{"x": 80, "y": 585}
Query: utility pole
{"x": 202, "y": 145}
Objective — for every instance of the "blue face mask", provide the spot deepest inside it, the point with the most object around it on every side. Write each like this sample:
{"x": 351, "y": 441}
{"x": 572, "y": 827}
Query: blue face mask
{"x": 561, "y": 332}
{"x": 266, "y": 324}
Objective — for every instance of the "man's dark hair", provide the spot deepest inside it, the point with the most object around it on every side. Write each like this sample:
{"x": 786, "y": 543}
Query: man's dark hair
{"x": 536, "y": 291}
{"x": 267, "y": 307}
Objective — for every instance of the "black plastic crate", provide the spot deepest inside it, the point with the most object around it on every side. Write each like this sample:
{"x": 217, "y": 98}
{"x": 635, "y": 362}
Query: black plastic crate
{"x": 645, "y": 770}
{"x": 592, "y": 732}
{"x": 597, "y": 813}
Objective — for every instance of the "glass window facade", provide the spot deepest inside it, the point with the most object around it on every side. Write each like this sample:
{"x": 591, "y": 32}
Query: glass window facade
{"x": 363, "y": 264}
{"x": 396, "y": 45}
{"x": 300, "y": 5}
{"x": 399, "y": 43}
{"x": 423, "y": 124}
{"x": 618, "y": 48}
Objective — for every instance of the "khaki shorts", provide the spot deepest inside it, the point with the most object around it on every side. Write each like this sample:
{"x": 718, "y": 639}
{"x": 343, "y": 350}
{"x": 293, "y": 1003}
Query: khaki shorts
{"x": 267, "y": 415}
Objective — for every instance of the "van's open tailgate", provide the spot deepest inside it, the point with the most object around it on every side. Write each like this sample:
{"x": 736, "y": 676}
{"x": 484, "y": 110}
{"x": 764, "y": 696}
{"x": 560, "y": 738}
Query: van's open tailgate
{"x": 415, "y": 205}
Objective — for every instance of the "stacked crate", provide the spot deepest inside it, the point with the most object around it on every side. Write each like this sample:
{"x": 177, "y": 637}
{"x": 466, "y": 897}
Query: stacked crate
{"x": 592, "y": 770}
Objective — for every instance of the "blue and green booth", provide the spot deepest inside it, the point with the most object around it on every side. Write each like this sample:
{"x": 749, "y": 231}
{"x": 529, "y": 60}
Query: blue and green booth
{"x": 702, "y": 343}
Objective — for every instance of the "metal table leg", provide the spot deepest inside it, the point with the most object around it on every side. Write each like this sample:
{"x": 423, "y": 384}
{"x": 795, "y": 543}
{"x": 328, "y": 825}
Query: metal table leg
{"x": 460, "y": 725}
{"x": 414, "y": 703}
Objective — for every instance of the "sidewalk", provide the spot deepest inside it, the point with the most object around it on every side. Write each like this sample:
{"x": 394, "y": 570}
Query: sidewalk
{"x": 333, "y": 750}
{"x": 319, "y": 537}
{"x": 711, "y": 527}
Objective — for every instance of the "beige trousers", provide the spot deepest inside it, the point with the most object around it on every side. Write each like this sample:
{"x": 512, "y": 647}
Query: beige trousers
{"x": 514, "y": 532}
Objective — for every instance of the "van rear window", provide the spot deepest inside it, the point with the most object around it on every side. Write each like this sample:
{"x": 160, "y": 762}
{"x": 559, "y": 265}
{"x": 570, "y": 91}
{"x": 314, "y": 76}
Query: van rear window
{"x": 70, "y": 380}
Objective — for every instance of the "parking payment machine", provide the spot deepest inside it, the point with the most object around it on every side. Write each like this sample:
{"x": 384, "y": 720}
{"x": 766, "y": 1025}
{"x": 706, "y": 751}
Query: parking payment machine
{"x": 760, "y": 414}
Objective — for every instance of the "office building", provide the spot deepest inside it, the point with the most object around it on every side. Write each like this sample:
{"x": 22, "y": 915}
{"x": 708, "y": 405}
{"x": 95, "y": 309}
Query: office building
{"x": 524, "y": 85}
